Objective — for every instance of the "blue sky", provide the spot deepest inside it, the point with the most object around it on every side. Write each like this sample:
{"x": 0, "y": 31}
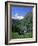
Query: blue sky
{"x": 22, "y": 11}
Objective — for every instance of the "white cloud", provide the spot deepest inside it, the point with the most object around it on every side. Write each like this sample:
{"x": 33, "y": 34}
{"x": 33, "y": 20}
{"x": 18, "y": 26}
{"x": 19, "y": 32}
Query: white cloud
{"x": 17, "y": 17}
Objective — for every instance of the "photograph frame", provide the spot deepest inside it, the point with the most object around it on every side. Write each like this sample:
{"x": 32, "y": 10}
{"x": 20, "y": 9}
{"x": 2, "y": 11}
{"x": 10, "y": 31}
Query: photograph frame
{"x": 7, "y": 20}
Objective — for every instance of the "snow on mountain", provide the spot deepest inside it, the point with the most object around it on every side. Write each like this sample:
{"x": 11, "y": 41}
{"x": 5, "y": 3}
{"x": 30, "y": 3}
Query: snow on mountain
{"x": 17, "y": 17}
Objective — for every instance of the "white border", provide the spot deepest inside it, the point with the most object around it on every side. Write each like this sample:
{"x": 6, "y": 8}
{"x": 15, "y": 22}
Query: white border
{"x": 34, "y": 25}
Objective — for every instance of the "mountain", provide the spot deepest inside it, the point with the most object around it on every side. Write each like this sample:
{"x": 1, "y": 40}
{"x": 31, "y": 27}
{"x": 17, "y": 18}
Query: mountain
{"x": 17, "y": 17}
{"x": 14, "y": 21}
{"x": 24, "y": 23}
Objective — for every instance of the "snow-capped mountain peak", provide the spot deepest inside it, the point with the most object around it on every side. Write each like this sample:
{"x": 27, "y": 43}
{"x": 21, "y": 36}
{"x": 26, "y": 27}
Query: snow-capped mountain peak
{"x": 17, "y": 17}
